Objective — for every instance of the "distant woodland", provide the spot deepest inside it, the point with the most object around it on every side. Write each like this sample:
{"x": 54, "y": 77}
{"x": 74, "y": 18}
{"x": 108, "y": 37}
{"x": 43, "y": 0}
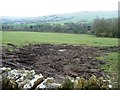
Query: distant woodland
{"x": 99, "y": 27}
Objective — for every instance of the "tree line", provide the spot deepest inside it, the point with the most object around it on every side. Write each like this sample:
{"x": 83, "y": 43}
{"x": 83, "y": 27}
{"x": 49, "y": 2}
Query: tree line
{"x": 100, "y": 27}
{"x": 48, "y": 27}
{"x": 105, "y": 27}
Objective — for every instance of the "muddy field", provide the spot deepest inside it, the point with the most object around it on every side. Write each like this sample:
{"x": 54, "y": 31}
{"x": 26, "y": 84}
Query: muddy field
{"x": 56, "y": 60}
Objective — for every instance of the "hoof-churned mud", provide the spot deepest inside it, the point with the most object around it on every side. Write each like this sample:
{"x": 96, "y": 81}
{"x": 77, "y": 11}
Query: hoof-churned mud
{"x": 56, "y": 60}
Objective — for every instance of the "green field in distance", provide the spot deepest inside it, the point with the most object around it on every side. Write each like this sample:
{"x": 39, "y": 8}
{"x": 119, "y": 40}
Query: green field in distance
{"x": 22, "y": 38}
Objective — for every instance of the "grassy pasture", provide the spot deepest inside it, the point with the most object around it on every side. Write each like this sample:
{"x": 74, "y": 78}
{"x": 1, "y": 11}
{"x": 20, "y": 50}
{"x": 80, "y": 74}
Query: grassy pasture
{"x": 22, "y": 38}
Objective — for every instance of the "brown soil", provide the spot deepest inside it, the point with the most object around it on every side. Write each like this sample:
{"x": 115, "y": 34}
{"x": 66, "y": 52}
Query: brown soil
{"x": 56, "y": 60}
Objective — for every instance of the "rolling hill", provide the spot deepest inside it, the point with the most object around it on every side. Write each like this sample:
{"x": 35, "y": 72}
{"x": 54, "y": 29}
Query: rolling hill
{"x": 84, "y": 16}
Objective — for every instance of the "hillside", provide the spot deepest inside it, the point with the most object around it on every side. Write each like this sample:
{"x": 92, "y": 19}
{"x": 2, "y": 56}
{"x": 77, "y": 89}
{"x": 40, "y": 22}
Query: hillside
{"x": 84, "y": 16}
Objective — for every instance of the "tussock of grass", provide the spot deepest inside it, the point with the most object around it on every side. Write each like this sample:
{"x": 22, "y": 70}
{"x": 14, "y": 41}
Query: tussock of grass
{"x": 112, "y": 64}
{"x": 112, "y": 61}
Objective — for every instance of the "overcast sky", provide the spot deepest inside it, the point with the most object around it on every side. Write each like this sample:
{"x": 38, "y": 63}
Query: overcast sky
{"x": 47, "y": 7}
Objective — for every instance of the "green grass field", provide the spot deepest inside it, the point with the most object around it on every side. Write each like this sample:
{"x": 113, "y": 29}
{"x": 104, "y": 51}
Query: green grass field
{"x": 22, "y": 38}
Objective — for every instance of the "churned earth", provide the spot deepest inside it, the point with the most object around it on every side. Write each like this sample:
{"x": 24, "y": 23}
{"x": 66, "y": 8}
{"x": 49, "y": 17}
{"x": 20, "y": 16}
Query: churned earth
{"x": 57, "y": 61}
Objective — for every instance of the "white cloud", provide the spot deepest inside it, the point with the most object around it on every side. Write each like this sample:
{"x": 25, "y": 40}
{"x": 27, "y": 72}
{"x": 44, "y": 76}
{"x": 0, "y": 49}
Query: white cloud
{"x": 47, "y": 7}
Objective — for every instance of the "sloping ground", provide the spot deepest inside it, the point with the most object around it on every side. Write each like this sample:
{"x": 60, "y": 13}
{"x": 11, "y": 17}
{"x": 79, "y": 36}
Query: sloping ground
{"x": 56, "y": 61}
{"x": 86, "y": 16}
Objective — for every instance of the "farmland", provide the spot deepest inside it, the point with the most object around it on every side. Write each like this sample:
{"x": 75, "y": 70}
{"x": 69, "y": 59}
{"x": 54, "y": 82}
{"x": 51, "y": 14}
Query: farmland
{"x": 59, "y": 55}
{"x": 59, "y": 45}
{"x": 22, "y": 38}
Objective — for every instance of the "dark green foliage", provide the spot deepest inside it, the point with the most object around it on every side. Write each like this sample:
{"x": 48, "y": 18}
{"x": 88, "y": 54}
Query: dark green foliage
{"x": 105, "y": 27}
{"x": 67, "y": 84}
{"x": 48, "y": 27}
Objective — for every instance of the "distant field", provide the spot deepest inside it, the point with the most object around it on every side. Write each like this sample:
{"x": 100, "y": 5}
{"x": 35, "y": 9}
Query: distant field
{"x": 21, "y": 38}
